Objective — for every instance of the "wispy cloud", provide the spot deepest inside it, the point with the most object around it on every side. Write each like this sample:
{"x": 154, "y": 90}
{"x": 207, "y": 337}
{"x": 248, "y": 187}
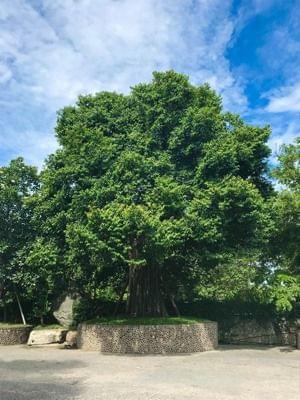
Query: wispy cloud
{"x": 285, "y": 135}
{"x": 279, "y": 59}
{"x": 281, "y": 56}
{"x": 286, "y": 99}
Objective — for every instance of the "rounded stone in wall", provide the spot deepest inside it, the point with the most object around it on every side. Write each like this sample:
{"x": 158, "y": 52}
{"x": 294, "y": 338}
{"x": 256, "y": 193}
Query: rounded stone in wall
{"x": 148, "y": 339}
{"x": 14, "y": 335}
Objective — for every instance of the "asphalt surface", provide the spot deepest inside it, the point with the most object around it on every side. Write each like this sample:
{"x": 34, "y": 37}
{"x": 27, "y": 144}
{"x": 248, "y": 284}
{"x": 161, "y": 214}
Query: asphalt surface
{"x": 229, "y": 373}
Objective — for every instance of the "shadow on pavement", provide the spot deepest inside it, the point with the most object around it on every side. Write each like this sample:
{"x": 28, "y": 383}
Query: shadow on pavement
{"x": 39, "y": 380}
{"x": 227, "y": 347}
{"x": 37, "y": 391}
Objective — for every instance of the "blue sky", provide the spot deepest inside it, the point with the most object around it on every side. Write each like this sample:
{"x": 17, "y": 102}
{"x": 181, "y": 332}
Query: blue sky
{"x": 53, "y": 50}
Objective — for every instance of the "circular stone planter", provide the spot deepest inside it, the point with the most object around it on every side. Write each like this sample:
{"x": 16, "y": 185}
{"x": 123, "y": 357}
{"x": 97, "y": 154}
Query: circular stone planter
{"x": 148, "y": 339}
{"x": 14, "y": 335}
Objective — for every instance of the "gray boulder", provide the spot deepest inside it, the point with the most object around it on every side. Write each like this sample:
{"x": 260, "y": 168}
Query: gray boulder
{"x": 71, "y": 339}
{"x": 64, "y": 312}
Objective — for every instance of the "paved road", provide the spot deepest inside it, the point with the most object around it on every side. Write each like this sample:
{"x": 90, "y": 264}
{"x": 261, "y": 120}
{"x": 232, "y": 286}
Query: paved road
{"x": 230, "y": 373}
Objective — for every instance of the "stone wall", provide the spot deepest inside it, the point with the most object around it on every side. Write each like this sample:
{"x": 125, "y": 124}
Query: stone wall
{"x": 151, "y": 339}
{"x": 17, "y": 335}
{"x": 252, "y": 331}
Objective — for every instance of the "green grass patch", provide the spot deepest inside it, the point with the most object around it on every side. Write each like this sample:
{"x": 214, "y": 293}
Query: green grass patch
{"x": 5, "y": 325}
{"x": 50, "y": 326}
{"x": 146, "y": 321}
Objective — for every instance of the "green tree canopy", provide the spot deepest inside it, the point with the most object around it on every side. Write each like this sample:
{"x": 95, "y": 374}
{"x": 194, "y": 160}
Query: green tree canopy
{"x": 150, "y": 189}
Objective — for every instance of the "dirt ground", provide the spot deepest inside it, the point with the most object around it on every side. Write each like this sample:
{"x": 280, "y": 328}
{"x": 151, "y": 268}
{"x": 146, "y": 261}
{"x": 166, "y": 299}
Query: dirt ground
{"x": 229, "y": 373}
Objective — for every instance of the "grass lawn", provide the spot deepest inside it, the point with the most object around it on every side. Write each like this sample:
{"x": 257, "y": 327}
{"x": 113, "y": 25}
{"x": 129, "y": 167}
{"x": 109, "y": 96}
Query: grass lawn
{"x": 121, "y": 320}
{"x": 50, "y": 326}
{"x": 6, "y": 325}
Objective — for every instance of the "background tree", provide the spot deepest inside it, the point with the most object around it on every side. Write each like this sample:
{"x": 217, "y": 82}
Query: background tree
{"x": 283, "y": 268}
{"x": 149, "y": 190}
{"x": 18, "y": 183}
{"x": 287, "y": 207}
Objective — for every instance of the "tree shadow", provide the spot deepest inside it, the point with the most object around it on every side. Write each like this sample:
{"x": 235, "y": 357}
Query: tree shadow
{"x": 263, "y": 347}
{"x": 143, "y": 355}
{"x": 39, "y": 380}
{"x": 30, "y": 366}
{"x": 288, "y": 349}
{"x": 37, "y": 391}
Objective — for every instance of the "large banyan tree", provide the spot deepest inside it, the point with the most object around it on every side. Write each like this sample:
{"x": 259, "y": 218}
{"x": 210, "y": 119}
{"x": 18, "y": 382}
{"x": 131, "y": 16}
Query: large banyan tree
{"x": 147, "y": 189}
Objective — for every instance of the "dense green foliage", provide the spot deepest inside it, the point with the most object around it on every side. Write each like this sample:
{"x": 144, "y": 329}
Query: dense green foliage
{"x": 156, "y": 197}
{"x": 18, "y": 182}
{"x": 287, "y": 240}
{"x": 284, "y": 278}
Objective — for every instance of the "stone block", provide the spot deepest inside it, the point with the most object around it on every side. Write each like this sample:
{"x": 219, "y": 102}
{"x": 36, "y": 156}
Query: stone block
{"x": 71, "y": 339}
{"x": 47, "y": 336}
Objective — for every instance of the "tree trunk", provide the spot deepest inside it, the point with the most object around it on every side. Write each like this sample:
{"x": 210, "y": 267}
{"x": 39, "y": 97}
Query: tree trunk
{"x": 2, "y": 297}
{"x": 121, "y": 297}
{"x": 4, "y": 312}
{"x": 144, "y": 292}
{"x": 174, "y": 305}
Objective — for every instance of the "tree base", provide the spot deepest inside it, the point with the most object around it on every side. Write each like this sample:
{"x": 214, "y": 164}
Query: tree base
{"x": 144, "y": 293}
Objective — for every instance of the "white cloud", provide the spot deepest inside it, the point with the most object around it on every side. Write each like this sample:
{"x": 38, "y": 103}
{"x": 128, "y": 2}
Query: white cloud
{"x": 285, "y": 137}
{"x": 68, "y": 47}
{"x": 285, "y": 128}
{"x": 5, "y": 73}
{"x": 286, "y": 99}
{"x": 53, "y": 50}
{"x": 32, "y": 145}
